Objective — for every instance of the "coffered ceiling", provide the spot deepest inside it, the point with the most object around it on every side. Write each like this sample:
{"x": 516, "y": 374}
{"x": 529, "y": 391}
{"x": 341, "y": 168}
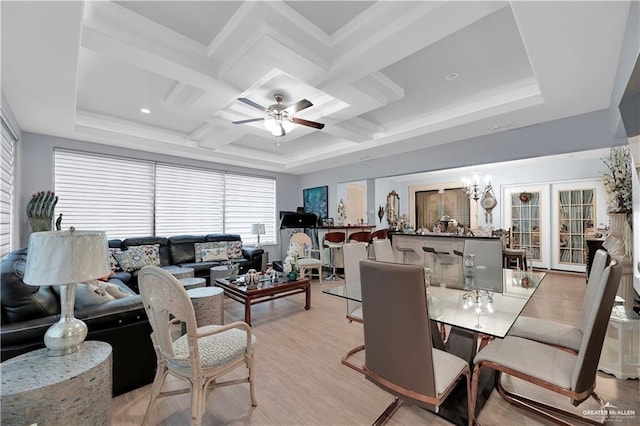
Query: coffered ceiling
{"x": 384, "y": 77}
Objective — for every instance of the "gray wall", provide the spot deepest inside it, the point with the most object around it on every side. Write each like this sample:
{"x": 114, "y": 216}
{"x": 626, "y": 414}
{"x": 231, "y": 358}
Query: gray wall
{"x": 35, "y": 171}
{"x": 579, "y": 133}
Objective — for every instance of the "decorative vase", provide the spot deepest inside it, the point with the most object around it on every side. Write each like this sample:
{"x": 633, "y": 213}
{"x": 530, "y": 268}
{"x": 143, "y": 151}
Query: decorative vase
{"x": 293, "y": 275}
{"x": 614, "y": 241}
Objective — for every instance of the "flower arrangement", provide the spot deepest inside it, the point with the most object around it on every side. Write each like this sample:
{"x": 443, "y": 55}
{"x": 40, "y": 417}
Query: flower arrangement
{"x": 290, "y": 265}
{"x": 617, "y": 179}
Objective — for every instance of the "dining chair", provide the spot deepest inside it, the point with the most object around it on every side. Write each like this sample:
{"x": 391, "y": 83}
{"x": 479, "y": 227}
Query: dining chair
{"x": 487, "y": 252}
{"x": 559, "y": 334}
{"x": 360, "y": 236}
{"x": 380, "y": 234}
{"x": 399, "y": 356}
{"x": 353, "y": 254}
{"x": 200, "y": 356}
{"x": 333, "y": 241}
{"x": 551, "y": 368}
{"x": 382, "y": 251}
{"x": 306, "y": 261}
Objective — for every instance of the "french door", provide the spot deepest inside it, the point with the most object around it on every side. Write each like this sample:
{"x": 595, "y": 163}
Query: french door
{"x": 552, "y": 221}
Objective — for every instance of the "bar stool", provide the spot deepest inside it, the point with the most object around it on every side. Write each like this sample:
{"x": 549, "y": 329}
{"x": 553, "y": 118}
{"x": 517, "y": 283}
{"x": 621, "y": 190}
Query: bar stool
{"x": 437, "y": 261}
{"x": 404, "y": 251}
{"x": 333, "y": 241}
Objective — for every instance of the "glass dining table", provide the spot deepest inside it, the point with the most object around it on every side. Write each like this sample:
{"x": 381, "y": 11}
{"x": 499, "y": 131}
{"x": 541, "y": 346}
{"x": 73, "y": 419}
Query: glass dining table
{"x": 485, "y": 300}
{"x": 483, "y": 303}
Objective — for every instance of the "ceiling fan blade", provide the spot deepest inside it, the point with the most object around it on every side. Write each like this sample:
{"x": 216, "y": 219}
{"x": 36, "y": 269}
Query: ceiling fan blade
{"x": 251, "y": 120}
{"x": 308, "y": 123}
{"x": 298, "y": 106}
{"x": 252, "y": 104}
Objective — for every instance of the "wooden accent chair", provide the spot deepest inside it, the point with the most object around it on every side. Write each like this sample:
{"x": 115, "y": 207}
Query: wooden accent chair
{"x": 511, "y": 258}
{"x": 552, "y": 368}
{"x": 400, "y": 357}
{"x": 559, "y": 334}
{"x": 353, "y": 254}
{"x": 306, "y": 261}
{"x": 199, "y": 357}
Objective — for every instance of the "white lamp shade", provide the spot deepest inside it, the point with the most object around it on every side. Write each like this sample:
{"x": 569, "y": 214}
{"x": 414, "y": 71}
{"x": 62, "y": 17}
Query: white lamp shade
{"x": 258, "y": 228}
{"x": 66, "y": 257}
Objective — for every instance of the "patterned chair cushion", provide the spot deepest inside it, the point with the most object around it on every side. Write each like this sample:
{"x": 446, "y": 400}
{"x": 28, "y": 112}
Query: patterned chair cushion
{"x": 215, "y": 350}
{"x": 234, "y": 249}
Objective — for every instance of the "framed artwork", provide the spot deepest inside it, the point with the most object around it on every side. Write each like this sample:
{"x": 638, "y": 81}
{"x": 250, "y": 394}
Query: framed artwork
{"x": 315, "y": 201}
{"x": 327, "y": 222}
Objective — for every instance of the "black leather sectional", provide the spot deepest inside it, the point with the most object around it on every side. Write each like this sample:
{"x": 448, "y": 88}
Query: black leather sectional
{"x": 28, "y": 311}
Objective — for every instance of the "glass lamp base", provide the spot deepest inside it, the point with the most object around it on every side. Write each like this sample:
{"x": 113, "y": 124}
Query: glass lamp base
{"x": 65, "y": 336}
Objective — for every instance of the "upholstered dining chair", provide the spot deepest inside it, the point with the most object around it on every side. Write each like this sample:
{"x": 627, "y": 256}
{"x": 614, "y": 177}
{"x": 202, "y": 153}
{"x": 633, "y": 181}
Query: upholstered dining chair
{"x": 383, "y": 251}
{"x": 488, "y": 252}
{"x": 353, "y": 254}
{"x": 399, "y": 356}
{"x": 333, "y": 241}
{"x": 559, "y": 334}
{"x": 380, "y": 234}
{"x": 200, "y": 356}
{"x": 306, "y": 261}
{"x": 552, "y": 368}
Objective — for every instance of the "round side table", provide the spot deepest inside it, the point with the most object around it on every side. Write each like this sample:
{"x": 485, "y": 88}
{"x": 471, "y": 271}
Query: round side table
{"x": 179, "y": 272}
{"x": 190, "y": 283}
{"x": 73, "y": 389}
{"x": 218, "y": 272}
{"x": 208, "y": 306}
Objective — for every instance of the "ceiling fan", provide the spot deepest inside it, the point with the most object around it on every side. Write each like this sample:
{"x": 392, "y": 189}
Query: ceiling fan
{"x": 278, "y": 118}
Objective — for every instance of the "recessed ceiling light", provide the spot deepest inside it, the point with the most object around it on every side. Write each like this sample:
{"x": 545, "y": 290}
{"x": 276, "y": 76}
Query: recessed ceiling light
{"x": 451, "y": 76}
{"x": 145, "y": 110}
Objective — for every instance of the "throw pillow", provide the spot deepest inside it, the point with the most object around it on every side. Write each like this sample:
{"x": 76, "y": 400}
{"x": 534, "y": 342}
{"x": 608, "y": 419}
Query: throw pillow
{"x": 90, "y": 294}
{"x": 112, "y": 289}
{"x": 214, "y": 254}
{"x": 234, "y": 249}
{"x": 137, "y": 257}
{"x": 198, "y": 247}
{"x": 113, "y": 262}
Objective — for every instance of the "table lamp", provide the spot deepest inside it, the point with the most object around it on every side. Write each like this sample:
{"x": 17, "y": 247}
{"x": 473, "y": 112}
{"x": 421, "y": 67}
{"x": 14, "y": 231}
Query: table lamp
{"x": 66, "y": 258}
{"x": 258, "y": 229}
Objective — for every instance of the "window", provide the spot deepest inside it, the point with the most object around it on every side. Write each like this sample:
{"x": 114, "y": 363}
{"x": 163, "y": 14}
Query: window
{"x": 188, "y": 201}
{"x": 6, "y": 189}
{"x": 432, "y": 205}
{"x": 249, "y": 200}
{"x": 104, "y": 193}
{"x": 128, "y": 198}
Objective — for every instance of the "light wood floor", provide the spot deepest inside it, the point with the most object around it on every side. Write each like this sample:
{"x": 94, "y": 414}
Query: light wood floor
{"x": 300, "y": 380}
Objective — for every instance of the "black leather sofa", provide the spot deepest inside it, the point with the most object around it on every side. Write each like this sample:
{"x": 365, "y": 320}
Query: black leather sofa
{"x": 28, "y": 311}
{"x": 180, "y": 251}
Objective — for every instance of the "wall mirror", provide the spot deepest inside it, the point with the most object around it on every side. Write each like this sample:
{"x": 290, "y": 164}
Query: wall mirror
{"x": 393, "y": 207}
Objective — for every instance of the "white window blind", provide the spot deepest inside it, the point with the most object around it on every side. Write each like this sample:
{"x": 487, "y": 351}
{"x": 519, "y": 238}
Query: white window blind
{"x": 6, "y": 191}
{"x": 103, "y": 193}
{"x": 249, "y": 200}
{"x": 188, "y": 201}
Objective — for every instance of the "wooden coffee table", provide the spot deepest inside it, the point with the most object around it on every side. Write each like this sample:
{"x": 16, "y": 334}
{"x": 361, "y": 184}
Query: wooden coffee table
{"x": 264, "y": 292}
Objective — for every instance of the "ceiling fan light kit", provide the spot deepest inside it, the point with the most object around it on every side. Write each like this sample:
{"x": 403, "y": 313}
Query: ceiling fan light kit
{"x": 278, "y": 119}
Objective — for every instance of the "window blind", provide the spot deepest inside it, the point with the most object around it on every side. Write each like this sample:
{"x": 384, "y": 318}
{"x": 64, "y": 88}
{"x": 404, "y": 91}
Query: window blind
{"x": 249, "y": 200}
{"x": 188, "y": 201}
{"x": 103, "y": 193}
{"x": 6, "y": 191}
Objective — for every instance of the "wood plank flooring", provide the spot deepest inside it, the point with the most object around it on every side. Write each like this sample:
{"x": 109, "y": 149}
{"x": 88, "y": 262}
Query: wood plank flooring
{"x": 300, "y": 380}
